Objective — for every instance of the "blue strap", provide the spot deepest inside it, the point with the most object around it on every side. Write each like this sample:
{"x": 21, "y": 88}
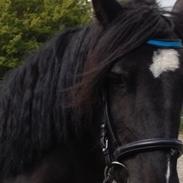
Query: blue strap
{"x": 166, "y": 43}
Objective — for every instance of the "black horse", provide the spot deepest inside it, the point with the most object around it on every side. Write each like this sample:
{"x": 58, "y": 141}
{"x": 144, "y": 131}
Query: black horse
{"x": 106, "y": 95}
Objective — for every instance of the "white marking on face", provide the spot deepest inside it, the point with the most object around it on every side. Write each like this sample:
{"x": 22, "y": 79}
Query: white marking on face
{"x": 167, "y": 176}
{"x": 164, "y": 60}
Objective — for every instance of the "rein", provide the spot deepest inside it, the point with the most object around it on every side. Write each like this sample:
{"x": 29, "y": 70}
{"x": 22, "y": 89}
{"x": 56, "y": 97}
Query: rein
{"x": 115, "y": 153}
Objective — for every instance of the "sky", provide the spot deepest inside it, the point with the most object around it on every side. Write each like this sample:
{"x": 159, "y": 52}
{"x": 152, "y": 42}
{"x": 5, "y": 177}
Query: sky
{"x": 167, "y": 3}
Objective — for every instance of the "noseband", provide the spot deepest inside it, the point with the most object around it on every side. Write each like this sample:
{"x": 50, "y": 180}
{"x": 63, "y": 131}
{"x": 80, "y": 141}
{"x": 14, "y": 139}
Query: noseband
{"x": 115, "y": 153}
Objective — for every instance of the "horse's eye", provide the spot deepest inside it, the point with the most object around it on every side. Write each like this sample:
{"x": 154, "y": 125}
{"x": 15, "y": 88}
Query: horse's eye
{"x": 118, "y": 75}
{"x": 118, "y": 79}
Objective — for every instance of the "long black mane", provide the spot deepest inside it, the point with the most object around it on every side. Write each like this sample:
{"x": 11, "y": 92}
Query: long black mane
{"x": 54, "y": 98}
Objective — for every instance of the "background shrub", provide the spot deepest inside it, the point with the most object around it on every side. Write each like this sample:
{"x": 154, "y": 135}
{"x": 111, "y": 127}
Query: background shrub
{"x": 25, "y": 24}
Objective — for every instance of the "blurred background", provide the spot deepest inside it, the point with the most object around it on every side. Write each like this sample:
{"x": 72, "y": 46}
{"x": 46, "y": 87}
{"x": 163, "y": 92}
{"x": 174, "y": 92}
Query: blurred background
{"x": 26, "y": 24}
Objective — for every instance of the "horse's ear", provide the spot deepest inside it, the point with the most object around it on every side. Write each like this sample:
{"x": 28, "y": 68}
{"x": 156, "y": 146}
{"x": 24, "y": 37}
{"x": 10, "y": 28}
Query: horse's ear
{"x": 148, "y": 2}
{"x": 106, "y": 10}
{"x": 142, "y": 2}
{"x": 178, "y": 7}
{"x": 178, "y": 18}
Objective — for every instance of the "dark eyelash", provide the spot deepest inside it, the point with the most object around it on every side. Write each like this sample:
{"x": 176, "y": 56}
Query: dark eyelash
{"x": 115, "y": 78}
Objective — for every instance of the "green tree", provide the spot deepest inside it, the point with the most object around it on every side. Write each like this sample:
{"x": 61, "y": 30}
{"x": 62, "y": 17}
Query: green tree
{"x": 25, "y": 24}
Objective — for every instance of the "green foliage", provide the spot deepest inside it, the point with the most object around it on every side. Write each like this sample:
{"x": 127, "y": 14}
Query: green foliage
{"x": 25, "y": 24}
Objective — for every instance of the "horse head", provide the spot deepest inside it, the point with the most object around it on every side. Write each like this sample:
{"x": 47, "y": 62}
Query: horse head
{"x": 143, "y": 90}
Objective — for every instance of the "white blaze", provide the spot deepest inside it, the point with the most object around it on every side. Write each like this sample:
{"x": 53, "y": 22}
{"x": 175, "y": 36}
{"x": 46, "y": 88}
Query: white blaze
{"x": 164, "y": 60}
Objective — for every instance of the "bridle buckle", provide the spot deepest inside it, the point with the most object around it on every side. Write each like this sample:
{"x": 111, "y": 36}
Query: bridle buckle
{"x": 109, "y": 175}
{"x": 104, "y": 140}
{"x": 105, "y": 145}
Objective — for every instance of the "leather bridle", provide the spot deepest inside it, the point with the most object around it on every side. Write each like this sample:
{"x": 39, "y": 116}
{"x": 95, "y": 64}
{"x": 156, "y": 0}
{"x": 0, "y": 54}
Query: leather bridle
{"x": 115, "y": 153}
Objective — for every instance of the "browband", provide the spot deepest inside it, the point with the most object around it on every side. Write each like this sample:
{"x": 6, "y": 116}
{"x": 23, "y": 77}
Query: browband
{"x": 166, "y": 43}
